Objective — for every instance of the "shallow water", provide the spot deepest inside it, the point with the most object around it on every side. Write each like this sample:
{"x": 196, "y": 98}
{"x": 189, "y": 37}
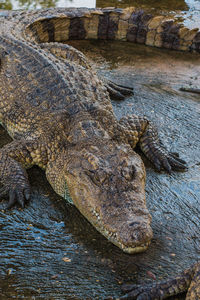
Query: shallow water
{"x": 49, "y": 251}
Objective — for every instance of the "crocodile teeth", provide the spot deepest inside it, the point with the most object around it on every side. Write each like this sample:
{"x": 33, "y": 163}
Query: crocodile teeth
{"x": 113, "y": 237}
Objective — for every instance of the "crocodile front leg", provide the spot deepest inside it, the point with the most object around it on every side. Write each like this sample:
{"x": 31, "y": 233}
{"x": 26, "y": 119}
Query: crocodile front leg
{"x": 190, "y": 278}
{"x": 14, "y": 158}
{"x": 139, "y": 130}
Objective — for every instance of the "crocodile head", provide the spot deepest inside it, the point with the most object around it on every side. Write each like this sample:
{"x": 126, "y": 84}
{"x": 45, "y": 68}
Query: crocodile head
{"x": 106, "y": 183}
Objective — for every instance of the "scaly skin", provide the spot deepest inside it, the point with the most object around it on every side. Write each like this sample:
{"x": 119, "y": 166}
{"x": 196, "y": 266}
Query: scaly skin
{"x": 59, "y": 114}
{"x": 189, "y": 279}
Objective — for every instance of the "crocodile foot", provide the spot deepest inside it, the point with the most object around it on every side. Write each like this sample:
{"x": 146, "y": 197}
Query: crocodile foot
{"x": 167, "y": 161}
{"x": 155, "y": 151}
{"x": 188, "y": 280}
{"x": 138, "y": 292}
{"x": 117, "y": 91}
{"x": 176, "y": 162}
{"x": 139, "y": 130}
{"x": 18, "y": 194}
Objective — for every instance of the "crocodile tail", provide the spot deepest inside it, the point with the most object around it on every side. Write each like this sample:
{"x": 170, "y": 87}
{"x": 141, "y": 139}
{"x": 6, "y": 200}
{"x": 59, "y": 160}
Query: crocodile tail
{"x": 131, "y": 24}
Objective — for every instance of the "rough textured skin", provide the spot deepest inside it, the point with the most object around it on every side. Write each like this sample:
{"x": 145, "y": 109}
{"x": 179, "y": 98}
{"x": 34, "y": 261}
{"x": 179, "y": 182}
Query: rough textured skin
{"x": 59, "y": 114}
{"x": 189, "y": 279}
{"x": 130, "y": 24}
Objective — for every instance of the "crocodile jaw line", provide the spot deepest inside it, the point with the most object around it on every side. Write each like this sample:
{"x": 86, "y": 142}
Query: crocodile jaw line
{"x": 113, "y": 238}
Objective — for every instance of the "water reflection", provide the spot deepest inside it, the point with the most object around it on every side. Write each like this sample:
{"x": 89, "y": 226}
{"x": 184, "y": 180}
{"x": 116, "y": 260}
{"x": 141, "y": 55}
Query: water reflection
{"x": 31, "y": 4}
{"x": 191, "y": 5}
{"x": 161, "y": 4}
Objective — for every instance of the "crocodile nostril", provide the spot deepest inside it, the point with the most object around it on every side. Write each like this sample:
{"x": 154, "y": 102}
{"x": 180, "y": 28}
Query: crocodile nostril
{"x": 133, "y": 223}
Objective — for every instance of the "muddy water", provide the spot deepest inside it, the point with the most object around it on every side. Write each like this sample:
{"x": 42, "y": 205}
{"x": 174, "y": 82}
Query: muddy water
{"x": 49, "y": 251}
{"x": 183, "y": 5}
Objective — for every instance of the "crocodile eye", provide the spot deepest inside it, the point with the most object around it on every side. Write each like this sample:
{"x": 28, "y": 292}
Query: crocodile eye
{"x": 128, "y": 172}
{"x": 98, "y": 176}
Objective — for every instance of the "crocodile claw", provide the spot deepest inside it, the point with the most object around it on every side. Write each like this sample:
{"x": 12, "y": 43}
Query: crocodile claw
{"x": 148, "y": 292}
{"x": 133, "y": 292}
{"x": 160, "y": 157}
{"x": 168, "y": 162}
{"x": 117, "y": 91}
{"x": 17, "y": 195}
{"x": 177, "y": 163}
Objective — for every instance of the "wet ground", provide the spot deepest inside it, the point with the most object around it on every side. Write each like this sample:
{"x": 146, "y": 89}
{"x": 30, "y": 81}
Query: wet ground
{"x": 49, "y": 251}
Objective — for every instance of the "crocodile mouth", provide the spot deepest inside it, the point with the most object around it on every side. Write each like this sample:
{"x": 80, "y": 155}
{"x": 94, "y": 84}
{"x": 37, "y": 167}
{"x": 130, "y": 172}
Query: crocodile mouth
{"x": 130, "y": 250}
{"x": 113, "y": 237}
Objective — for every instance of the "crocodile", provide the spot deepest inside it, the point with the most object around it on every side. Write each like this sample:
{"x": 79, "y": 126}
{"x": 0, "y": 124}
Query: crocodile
{"x": 58, "y": 112}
